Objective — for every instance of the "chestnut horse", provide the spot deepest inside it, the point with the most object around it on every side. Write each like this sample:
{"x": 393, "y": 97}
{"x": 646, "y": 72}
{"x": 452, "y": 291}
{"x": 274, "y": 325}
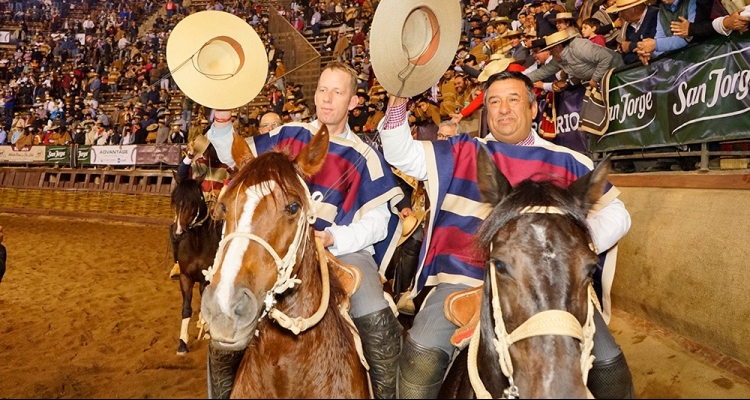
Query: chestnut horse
{"x": 536, "y": 328}
{"x": 197, "y": 237}
{"x": 270, "y": 291}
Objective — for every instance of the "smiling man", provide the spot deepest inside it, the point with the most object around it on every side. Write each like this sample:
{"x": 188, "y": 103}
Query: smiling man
{"x": 449, "y": 262}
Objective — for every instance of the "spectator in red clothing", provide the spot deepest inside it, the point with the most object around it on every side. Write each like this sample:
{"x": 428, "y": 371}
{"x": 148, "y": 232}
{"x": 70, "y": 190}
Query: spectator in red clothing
{"x": 588, "y": 30}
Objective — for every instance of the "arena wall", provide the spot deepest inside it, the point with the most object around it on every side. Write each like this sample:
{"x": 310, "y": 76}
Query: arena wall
{"x": 684, "y": 263}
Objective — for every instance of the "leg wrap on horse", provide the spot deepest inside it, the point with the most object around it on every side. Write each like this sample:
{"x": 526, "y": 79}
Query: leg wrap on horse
{"x": 381, "y": 339}
{"x": 611, "y": 379}
{"x": 421, "y": 371}
{"x": 222, "y": 368}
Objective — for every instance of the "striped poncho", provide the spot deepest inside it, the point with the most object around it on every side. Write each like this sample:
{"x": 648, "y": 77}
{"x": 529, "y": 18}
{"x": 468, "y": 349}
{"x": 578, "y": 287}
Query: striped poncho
{"x": 356, "y": 180}
{"x": 448, "y": 252}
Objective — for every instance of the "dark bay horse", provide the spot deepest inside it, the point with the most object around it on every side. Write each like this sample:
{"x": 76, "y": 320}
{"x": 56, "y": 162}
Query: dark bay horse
{"x": 271, "y": 293}
{"x": 536, "y": 328}
{"x": 197, "y": 237}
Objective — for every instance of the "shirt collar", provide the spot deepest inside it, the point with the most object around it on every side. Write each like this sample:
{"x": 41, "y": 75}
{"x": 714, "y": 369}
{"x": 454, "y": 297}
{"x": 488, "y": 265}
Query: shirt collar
{"x": 528, "y": 141}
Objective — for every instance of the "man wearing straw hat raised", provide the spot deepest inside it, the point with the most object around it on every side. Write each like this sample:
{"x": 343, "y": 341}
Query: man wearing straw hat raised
{"x": 447, "y": 261}
{"x": 357, "y": 218}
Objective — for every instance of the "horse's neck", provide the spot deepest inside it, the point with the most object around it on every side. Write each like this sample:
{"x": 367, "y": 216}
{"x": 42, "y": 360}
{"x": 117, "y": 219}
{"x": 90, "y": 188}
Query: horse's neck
{"x": 305, "y": 298}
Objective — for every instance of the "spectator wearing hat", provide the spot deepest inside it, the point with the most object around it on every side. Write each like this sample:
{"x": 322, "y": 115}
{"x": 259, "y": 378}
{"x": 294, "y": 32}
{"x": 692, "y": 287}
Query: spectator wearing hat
{"x": 357, "y": 119}
{"x": 142, "y": 132}
{"x": 640, "y": 23}
{"x": 518, "y": 51}
{"x": 79, "y": 135}
{"x": 611, "y": 24}
{"x": 161, "y": 136}
{"x": 176, "y": 135}
{"x": 289, "y": 104}
{"x": 579, "y": 58}
{"x": 362, "y": 97}
{"x": 375, "y": 113}
{"x": 564, "y": 20}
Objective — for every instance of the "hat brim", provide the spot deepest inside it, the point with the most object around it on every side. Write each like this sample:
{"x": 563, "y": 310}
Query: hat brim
{"x": 410, "y": 225}
{"x": 232, "y": 41}
{"x": 615, "y": 8}
{"x": 555, "y": 43}
{"x": 494, "y": 67}
{"x": 409, "y": 60}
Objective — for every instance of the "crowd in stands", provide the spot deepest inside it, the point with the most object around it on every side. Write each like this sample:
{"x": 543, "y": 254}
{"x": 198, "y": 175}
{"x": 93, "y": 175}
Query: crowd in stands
{"x": 59, "y": 72}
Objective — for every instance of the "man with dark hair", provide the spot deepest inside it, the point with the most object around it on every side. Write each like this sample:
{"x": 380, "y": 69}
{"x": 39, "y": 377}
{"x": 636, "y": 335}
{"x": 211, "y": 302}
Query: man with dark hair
{"x": 449, "y": 263}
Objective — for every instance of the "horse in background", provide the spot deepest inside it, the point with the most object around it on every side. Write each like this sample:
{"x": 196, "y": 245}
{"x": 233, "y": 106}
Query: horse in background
{"x": 271, "y": 293}
{"x": 537, "y": 286}
{"x": 197, "y": 237}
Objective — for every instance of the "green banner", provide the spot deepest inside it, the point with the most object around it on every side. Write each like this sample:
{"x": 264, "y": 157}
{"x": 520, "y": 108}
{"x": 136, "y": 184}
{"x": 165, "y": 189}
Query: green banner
{"x": 83, "y": 155}
{"x": 699, "y": 94}
{"x": 57, "y": 155}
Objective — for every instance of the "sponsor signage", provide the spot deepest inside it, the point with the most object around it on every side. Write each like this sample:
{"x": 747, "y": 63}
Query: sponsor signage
{"x": 29, "y": 154}
{"x": 113, "y": 155}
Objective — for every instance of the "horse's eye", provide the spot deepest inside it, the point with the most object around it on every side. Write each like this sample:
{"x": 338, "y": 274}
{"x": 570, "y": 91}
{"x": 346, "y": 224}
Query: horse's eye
{"x": 494, "y": 262}
{"x": 292, "y": 208}
{"x": 223, "y": 207}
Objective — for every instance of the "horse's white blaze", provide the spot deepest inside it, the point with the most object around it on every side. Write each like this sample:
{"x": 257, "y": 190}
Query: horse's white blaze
{"x": 232, "y": 261}
{"x": 178, "y": 227}
{"x": 541, "y": 235}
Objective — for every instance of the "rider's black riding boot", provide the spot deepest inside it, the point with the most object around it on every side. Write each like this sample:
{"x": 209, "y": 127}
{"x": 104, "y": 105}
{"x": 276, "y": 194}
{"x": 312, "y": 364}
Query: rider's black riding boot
{"x": 174, "y": 273}
{"x": 421, "y": 371}
{"x": 222, "y": 368}
{"x": 381, "y": 340}
{"x": 611, "y": 379}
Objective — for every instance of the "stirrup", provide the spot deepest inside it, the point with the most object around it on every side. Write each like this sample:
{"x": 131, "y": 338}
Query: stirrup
{"x": 174, "y": 274}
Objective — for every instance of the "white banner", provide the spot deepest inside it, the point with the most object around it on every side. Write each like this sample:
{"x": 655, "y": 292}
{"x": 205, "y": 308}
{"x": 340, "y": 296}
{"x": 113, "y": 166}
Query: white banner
{"x": 81, "y": 37}
{"x": 113, "y": 155}
{"x": 4, "y": 37}
{"x": 31, "y": 154}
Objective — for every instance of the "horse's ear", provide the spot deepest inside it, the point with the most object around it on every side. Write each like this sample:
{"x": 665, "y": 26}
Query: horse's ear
{"x": 312, "y": 157}
{"x": 590, "y": 187}
{"x": 493, "y": 185}
{"x": 176, "y": 177}
{"x": 241, "y": 153}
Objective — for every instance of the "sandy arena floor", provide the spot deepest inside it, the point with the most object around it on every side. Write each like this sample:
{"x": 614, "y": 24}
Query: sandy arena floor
{"x": 87, "y": 311}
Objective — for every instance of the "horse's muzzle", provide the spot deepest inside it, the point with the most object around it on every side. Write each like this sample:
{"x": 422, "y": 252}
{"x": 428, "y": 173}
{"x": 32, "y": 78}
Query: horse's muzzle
{"x": 231, "y": 322}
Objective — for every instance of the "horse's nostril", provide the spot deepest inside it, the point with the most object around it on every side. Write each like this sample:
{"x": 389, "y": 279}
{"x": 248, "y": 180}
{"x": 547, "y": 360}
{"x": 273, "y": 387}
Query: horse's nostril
{"x": 246, "y": 303}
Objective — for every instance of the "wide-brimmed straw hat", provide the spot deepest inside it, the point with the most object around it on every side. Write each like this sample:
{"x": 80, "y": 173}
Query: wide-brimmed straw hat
{"x": 563, "y": 16}
{"x": 623, "y": 5}
{"x": 559, "y": 37}
{"x": 410, "y": 225}
{"x": 213, "y": 57}
{"x": 495, "y": 67}
{"x": 409, "y": 60}
{"x": 200, "y": 144}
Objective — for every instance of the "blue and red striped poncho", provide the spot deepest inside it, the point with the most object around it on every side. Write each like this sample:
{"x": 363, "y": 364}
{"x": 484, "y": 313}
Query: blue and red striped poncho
{"x": 448, "y": 252}
{"x": 356, "y": 180}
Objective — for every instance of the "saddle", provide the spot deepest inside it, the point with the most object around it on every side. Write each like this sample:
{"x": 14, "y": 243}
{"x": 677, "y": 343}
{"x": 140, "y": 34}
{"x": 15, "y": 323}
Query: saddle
{"x": 462, "y": 308}
{"x": 349, "y": 276}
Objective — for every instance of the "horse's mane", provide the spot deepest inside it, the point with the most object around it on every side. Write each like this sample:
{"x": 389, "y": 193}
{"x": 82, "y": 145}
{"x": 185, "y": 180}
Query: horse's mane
{"x": 530, "y": 193}
{"x": 188, "y": 192}
{"x": 270, "y": 166}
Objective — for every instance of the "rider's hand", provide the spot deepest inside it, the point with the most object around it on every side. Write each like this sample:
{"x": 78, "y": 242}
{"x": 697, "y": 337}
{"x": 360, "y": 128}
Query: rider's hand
{"x": 325, "y": 237}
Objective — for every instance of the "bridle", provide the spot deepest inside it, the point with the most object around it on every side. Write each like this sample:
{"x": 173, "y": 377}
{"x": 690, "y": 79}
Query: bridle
{"x": 285, "y": 266}
{"x": 195, "y": 222}
{"x": 549, "y": 322}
